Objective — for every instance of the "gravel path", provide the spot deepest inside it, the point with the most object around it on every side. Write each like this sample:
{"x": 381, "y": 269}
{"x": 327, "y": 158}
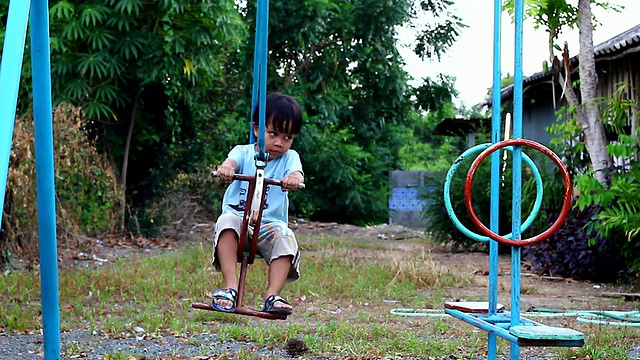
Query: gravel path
{"x": 81, "y": 344}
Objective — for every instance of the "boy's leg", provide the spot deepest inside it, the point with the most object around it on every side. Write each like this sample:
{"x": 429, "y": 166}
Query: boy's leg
{"x": 278, "y": 245}
{"x": 225, "y": 256}
{"x": 278, "y": 273}
{"x": 228, "y": 259}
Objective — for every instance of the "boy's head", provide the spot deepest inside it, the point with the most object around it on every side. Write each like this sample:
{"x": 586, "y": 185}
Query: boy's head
{"x": 283, "y": 113}
{"x": 283, "y": 122}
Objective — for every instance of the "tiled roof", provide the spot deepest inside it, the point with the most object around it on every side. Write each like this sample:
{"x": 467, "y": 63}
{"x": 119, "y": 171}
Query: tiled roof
{"x": 628, "y": 39}
{"x": 617, "y": 44}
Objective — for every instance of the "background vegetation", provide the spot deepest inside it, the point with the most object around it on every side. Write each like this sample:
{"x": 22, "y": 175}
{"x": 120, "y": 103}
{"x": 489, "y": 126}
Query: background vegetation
{"x": 164, "y": 89}
{"x": 599, "y": 239}
{"x": 150, "y": 96}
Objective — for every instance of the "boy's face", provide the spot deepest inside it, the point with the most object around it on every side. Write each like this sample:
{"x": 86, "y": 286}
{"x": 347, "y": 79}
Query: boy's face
{"x": 276, "y": 143}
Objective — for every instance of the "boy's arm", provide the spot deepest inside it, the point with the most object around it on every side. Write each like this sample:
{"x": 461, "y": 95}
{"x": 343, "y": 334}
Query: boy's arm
{"x": 227, "y": 169}
{"x": 293, "y": 180}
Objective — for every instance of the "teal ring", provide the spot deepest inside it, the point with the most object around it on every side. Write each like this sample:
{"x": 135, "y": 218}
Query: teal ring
{"x": 447, "y": 191}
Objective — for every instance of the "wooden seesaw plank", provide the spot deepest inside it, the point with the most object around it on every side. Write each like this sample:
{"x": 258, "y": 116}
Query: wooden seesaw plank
{"x": 480, "y": 307}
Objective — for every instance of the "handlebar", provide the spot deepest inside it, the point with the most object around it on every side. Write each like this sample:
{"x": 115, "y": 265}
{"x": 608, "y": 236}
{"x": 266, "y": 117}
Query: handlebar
{"x": 268, "y": 181}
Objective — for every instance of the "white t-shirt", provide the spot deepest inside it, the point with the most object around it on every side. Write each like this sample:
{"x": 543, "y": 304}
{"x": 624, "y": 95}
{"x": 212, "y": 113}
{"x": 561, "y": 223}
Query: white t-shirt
{"x": 277, "y": 201}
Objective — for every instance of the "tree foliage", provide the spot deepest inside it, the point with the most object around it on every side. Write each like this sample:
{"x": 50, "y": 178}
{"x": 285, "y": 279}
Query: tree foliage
{"x": 166, "y": 87}
{"x": 340, "y": 58}
{"x": 143, "y": 73}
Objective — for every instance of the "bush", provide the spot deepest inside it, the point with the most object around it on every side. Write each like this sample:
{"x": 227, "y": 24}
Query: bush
{"x": 89, "y": 201}
{"x": 616, "y": 211}
{"x": 188, "y": 200}
{"x": 575, "y": 252}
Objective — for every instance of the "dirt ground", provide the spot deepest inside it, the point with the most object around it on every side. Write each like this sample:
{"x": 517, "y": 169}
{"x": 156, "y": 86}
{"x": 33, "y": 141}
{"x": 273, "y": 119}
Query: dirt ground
{"x": 398, "y": 243}
{"x": 537, "y": 291}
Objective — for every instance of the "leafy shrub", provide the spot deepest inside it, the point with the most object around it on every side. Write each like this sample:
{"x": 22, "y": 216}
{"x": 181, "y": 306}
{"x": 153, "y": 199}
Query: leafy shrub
{"x": 575, "y": 252}
{"x": 622, "y": 217}
{"x": 89, "y": 201}
{"x": 188, "y": 200}
{"x": 617, "y": 211}
{"x": 607, "y": 223}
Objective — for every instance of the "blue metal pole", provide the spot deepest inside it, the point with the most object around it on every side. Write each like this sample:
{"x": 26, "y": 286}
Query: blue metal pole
{"x": 263, "y": 13}
{"x": 491, "y": 328}
{"x": 259, "y": 90}
{"x": 256, "y": 68}
{"x": 43, "y": 129}
{"x": 495, "y": 174}
{"x": 516, "y": 208}
{"x": 10, "y": 69}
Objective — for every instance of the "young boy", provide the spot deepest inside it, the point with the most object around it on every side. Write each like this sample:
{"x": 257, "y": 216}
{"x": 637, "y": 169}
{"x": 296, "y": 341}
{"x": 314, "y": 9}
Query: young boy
{"x": 277, "y": 243}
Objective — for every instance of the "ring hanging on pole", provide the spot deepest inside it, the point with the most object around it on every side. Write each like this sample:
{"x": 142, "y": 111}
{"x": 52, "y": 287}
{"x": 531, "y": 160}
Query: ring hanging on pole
{"x": 447, "y": 193}
{"x": 567, "y": 194}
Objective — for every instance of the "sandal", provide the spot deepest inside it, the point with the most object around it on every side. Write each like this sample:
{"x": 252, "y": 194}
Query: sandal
{"x": 225, "y": 294}
{"x": 269, "y": 307}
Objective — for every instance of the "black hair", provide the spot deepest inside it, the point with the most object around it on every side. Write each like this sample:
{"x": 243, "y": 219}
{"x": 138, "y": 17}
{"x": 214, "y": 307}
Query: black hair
{"x": 283, "y": 113}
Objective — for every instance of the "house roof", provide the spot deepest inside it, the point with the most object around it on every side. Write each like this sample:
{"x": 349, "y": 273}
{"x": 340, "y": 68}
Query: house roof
{"x": 459, "y": 126}
{"x": 628, "y": 41}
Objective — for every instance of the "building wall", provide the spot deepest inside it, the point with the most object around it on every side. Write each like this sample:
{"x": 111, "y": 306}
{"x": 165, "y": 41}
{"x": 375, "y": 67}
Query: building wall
{"x": 537, "y": 117}
{"x": 539, "y": 112}
{"x": 617, "y": 71}
{"x": 405, "y": 202}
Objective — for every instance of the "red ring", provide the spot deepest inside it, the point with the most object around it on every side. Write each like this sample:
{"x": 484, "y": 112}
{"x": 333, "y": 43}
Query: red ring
{"x": 567, "y": 194}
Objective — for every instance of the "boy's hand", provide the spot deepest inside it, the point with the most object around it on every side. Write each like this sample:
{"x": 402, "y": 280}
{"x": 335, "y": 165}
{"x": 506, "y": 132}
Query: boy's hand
{"x": 292, "y": 181}
{"x": 226, "y": 171}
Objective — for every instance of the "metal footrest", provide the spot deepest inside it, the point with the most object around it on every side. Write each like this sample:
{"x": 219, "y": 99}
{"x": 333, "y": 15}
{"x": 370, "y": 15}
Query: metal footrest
{"x": 542, "y": 335}
{"x": 241, "y": 311}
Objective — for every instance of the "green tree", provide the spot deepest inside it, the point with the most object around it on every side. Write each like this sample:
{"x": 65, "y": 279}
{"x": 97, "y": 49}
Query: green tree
{"x": 143, "y": 72}
{"x": 340, "y": 58}
{"x": 554, "y": 16}
{"x": 423, "y": 150}
{"x": 166, "y": 87}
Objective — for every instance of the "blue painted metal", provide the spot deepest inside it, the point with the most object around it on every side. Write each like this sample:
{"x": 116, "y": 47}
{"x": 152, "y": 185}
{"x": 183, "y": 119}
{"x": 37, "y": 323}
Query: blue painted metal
{"x": 528, "y": 332}
{"x": 10, "y": 70}
{"x": 517, "y": 175}
{"x": 45, "y": 174}
{"x": 495, "y": 323}
{"x": 479, "y": 322}
{"x": 259, "y": 91}
{"x": 447, "y": 193}
{"x": 494, "y": 216}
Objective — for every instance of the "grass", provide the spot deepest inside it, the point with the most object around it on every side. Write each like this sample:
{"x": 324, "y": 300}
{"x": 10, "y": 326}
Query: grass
{"x": 342, "y": 305}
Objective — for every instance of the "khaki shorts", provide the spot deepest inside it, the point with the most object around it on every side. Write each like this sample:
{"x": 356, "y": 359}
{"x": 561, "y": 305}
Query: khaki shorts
{"x": 275, "y": 240}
